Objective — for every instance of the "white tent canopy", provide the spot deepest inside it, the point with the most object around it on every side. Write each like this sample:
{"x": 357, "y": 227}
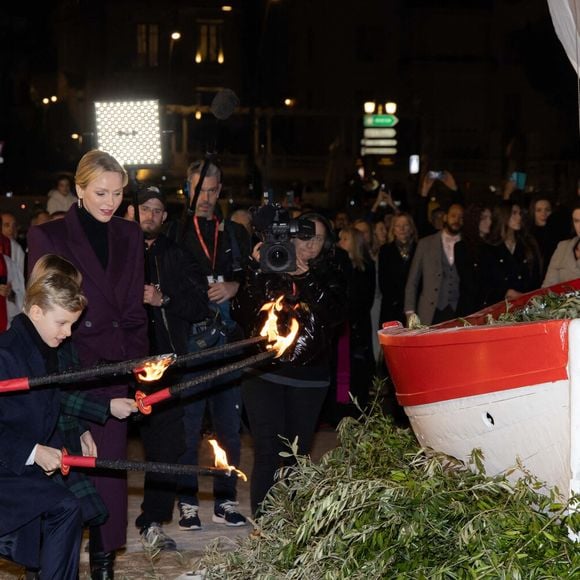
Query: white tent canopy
{"x": 565, "y": 18}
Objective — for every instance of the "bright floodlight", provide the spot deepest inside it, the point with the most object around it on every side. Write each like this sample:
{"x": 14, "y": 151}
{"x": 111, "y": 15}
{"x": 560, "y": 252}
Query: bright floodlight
{"x": 129, "y": 130}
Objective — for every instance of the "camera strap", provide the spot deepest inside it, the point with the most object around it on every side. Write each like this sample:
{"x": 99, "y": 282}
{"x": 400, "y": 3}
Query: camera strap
{"x": 203, "y": 245}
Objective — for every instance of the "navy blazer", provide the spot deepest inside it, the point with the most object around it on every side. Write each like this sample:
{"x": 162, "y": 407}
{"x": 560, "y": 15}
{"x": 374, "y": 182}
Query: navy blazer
{"x": 26, "y": 418}
{"x": 113, "y": 327}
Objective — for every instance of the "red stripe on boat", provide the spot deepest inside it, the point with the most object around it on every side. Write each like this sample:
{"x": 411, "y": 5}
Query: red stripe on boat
{"x": 439, "y": 364}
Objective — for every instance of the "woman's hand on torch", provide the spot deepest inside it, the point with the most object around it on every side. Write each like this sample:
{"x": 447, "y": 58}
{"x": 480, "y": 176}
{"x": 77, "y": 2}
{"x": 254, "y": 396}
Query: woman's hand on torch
{"x": 88, "y": 445}
{"x": 48, "y": 458}
{"x": 121, "y": 408}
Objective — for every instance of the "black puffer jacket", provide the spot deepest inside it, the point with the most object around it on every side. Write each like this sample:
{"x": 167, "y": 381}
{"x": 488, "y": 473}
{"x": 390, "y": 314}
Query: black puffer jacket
{"x": 316, "y": 299}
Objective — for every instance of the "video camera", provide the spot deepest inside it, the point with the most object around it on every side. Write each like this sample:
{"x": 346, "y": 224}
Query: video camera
{"x": 276, "y": 230}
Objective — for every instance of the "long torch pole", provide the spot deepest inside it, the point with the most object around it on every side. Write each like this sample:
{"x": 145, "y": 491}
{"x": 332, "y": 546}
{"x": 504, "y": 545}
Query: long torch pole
{"x": 144, "y": 402}
{"x": 185, "y": 359}
{"x": 112, "y": 369}
{"x": 68, "y": 461}
{"x": 120, "y": 368}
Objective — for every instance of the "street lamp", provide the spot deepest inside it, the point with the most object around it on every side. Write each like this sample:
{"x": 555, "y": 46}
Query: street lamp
{"x": 390, "y": 108}
{"x": 369, "y": 107}
{"x": 175, "y": 36}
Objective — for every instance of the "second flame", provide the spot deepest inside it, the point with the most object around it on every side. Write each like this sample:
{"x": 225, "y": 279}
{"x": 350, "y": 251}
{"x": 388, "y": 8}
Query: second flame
{"x": 270, "y": 329}
{"x": 221, "y": 460}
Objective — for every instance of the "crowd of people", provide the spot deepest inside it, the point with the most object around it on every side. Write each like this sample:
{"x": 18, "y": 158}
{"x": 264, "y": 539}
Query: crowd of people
{"x": 107, "y": 282}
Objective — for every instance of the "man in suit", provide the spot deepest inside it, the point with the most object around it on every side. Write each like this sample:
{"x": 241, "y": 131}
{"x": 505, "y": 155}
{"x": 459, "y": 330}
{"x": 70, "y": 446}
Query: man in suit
{"x": 433, "y": 269}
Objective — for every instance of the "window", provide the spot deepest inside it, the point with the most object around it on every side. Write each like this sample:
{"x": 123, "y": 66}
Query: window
{"x": 147, "y": 45}
{"x": 210, "y": 41}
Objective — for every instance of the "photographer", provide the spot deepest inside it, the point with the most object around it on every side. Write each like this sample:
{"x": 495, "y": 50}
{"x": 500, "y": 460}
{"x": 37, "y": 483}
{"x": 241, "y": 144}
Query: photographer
{"x": 283, "y": 400}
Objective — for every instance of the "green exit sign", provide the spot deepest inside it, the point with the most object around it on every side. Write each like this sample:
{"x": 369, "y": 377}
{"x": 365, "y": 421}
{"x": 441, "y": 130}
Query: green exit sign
{"x": 380, "y": 120}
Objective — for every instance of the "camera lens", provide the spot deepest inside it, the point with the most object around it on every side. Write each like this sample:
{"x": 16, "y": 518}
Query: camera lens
{"x": 278, "y": 258}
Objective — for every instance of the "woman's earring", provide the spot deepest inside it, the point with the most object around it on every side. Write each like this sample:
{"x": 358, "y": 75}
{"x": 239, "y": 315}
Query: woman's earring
{"x": 80, "y": 202}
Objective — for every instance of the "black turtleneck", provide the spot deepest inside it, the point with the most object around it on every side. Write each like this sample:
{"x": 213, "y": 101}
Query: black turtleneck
{"x": 48, "y": 353}
{"x": 98, "y": 235}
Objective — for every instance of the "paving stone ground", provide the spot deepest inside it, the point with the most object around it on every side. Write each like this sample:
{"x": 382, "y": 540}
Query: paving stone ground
{"x": 135, "y": 563}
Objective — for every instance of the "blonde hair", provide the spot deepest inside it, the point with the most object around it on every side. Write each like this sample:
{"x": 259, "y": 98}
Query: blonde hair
{"x": 54, "y": 281}
{"x": 391, "y": 234}
{"x": 357, "y": 248}
{"x": 95, "y": 163}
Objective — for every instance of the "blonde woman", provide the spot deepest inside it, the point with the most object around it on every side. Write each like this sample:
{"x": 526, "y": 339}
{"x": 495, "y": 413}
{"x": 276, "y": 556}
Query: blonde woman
{"x": 108, "y": 252}
{"x": 394, "y": 263}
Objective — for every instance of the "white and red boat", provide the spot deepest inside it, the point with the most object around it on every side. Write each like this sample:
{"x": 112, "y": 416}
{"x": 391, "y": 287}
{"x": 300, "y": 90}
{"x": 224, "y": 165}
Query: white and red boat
{"x": 511, "y": 390}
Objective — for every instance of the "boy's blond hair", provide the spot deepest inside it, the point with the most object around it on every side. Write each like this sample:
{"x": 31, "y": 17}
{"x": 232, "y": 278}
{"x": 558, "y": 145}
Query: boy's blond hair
{"x": 54, "y": 281}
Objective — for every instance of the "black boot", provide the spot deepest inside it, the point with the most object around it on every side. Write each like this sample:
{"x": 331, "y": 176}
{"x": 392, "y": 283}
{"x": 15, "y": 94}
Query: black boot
{"x": 102, "y": 564}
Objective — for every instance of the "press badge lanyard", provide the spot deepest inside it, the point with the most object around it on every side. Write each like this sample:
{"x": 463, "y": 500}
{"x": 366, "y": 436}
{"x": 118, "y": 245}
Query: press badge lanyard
{"x": 204, "y": 245}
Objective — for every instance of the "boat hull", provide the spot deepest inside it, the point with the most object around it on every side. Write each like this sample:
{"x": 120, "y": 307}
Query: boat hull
{"x": 511, "y": 390}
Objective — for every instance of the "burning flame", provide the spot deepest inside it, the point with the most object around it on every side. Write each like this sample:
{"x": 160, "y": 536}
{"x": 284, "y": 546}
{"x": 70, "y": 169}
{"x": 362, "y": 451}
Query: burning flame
{"x": 221, "y": 460}
{"x": 270, "y": 328}
{"x": 152, "y": 369}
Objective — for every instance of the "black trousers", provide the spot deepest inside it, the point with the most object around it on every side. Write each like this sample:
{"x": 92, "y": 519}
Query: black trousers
{"x": 274, "y": 412}
{"x": 163, "y": 438}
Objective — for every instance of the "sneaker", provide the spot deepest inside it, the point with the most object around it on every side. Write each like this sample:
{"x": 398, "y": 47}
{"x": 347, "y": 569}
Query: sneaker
{"x": 189, "y": 520}
{"x": 226, "y": 513}
{"x": 154, "y": 538}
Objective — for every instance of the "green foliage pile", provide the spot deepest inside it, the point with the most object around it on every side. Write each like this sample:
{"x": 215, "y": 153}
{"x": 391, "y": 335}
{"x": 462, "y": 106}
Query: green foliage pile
{"x": 378, "y": 507}
{"x": 548, "y": 306}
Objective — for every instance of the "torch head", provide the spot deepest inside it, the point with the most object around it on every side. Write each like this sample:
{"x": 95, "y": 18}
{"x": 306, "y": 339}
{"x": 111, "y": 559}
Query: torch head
{"x": 152, "y": 369}
{"x": 277, "y": 341}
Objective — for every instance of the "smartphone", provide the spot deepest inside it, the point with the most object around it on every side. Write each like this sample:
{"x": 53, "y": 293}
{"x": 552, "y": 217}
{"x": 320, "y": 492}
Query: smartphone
{"x": 436, "y": 174}
{"x": 519, "y": 178}
{"x": 383, "y": 203}
{"x": 413, "y": 164}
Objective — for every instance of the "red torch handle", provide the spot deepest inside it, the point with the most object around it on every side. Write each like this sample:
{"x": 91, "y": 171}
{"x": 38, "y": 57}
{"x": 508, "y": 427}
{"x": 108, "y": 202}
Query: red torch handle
{"x": 67, "y": 461}
{"x": 144, "y": 402}
{"x": 19, "y": 384}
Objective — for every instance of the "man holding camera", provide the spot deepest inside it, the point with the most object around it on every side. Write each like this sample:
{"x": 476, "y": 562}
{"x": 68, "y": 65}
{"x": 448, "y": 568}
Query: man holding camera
{"x": 222, "y": 249}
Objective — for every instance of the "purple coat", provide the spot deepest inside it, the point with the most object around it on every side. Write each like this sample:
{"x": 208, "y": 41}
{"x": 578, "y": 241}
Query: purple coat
{"x": 112, "y": 328}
